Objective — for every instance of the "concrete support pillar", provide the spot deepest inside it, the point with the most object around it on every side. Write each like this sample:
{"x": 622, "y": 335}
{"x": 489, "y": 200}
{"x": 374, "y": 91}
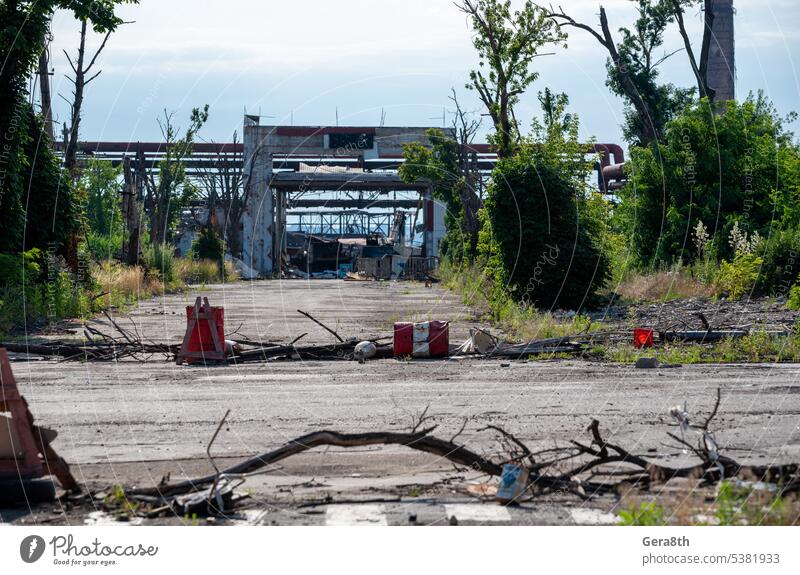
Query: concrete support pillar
{"x": 258, "y": 217}
{"x": 434, "y": 224}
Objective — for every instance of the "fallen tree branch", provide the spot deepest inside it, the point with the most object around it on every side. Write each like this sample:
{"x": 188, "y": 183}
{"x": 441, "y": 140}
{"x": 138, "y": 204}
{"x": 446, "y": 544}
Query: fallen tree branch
{"x": 322, "y": 325}
{"x": 420, "y": 441}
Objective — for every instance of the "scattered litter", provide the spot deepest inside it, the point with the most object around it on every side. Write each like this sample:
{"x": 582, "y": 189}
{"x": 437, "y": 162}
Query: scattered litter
{"x": 364, "y": 351}
{"x": 513, "y": 483}
{"x": 642, "y": 337}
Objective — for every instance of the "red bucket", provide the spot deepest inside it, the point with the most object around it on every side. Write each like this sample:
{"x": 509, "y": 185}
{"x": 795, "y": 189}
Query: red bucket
{"x": 642, "y": 337}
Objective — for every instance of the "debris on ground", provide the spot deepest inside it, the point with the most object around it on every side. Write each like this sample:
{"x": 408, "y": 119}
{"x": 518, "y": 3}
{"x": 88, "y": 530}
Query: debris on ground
{"x": 421, "y": 340}
{"x": 583, "y": 469}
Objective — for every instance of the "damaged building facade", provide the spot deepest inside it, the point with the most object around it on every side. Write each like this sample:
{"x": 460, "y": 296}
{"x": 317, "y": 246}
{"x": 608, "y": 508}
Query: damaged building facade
{"x": 322, "y": 199}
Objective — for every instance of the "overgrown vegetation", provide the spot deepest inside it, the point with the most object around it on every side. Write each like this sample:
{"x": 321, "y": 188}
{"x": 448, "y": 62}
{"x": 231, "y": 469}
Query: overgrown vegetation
{"x": 710, "y": 205}
{"x": 737, "y": 503}
{"x": 61, "y": 226}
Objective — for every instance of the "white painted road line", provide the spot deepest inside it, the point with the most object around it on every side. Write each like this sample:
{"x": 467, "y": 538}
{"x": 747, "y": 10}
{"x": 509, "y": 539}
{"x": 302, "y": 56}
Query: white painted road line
{"x": 340, "y": 515}
{"x": 473, "y": 512}
{"x": 588, "y": 516}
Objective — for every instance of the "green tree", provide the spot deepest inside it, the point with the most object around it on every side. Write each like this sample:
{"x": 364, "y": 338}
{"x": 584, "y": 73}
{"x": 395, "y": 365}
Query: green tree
{"x": 169, "y": 190}
{"x": 31, "y": 187}
{"x": 507, "y": 42}
{"x": 543, "y": 232}
{"x": 633, "y": 69}
{"x": 736, "y": 166}
{"x": 100, "y": 188}
{"x": 439, "y": 164}
{"x": 100, "y": 180}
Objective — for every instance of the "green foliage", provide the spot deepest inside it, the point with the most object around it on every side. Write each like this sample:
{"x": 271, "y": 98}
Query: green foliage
{"x": 793, "y": 301}
{"x": 36, "y": 205}
{"x": 20, "y": 269}
{"x": 439, "y": 164}
{"x": 637, "y": 58}
{"x": 208, "y": 246}
{"x": 741, "y": 504}
{"x": 543, "y": 229}
{"x": 647, "y": 514}
{"x": 507, "y": 42}
{"x": 756, "y": 347}
{"x": 99, "y": 185}
{"x": 160, "y": 261}
{"x": 737, "y": 278}
{"x": 37, "y": 290}
{"x": 781, "y": 266}
{"x": 100, "y": 181}
{"x": 172, "y": 191}
{"x": 718, "y": 169}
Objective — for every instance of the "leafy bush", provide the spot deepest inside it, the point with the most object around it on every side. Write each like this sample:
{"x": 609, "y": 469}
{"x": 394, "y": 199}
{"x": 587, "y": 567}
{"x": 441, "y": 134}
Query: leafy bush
{"x": 104, "y": 247}
{"x": 793, "y": 302}
{"x": 208, "y": 246}
{"x": 17, "y": 269}
{"x": 781, "y": 267}
{"x": 543, "y": 231}
{"x": 739, "y": 277}
{"x": 160, "y": 259}
{"x": 645, "y": 515}
{"x": 711, "y": 168}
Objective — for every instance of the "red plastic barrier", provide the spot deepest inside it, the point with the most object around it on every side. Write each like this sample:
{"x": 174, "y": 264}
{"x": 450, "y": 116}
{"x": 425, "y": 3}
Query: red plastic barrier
{"x": 425, "y": 339}
{"x": 200, "y": 339}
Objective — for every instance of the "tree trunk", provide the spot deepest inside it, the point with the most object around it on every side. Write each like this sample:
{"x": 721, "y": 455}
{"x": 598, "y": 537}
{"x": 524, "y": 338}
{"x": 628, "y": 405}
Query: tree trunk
{"x": 71, "y": 154}
{"x": 44, "y": 91}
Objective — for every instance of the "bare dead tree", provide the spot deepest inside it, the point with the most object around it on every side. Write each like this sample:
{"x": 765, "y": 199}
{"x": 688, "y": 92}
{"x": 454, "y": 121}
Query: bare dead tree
{"x": 80, "y": 80}
{"x": 466, "y": 126}
{"x": 224, "y": 182}
{"x": 649, "y": 132}
{"x": 44, "y": 87}
{"x": 167, "y": 187}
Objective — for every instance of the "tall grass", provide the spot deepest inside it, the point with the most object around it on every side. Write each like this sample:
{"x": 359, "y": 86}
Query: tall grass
{"x": 161, "y": 259}
{"x": 202, "y": 271}
{"x": 515, "y": 320}
{"x": 662, "y": 286}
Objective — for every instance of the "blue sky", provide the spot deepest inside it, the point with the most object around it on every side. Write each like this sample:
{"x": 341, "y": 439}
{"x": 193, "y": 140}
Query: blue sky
{"x": 299, "y": 61}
